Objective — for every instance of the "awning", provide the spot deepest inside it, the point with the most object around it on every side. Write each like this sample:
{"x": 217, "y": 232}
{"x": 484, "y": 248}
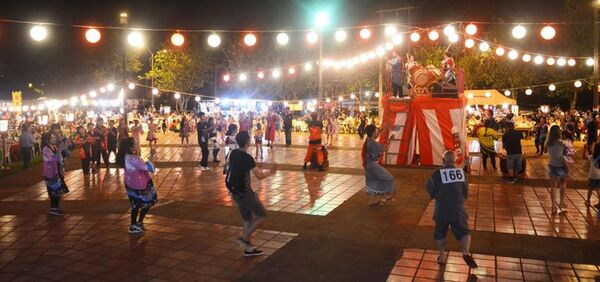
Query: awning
{"x": 487, "y": 97}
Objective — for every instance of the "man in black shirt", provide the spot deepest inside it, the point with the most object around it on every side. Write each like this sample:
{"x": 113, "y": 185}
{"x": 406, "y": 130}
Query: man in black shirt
{"x": 112, "y": 138}
{"x": 237, "y": 181}
{"x": 203, "y": 128}
{"x": 287, "y": 126}
{"x": 511, "y": 140}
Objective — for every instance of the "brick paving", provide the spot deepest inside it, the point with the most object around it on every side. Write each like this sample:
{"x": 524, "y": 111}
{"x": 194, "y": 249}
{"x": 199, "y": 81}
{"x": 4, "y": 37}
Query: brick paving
{"x": 324, "y": 229}
{"x": 421, "y": 265}
{"x": 526, "y": 210}
{"x": 297, "y": 192}
{"x": 86, "y": 247}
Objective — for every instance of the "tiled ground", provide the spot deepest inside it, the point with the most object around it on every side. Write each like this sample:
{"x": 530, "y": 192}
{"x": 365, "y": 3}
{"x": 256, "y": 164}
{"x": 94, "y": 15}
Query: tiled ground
{"x": 298, "y": 192}
{"x": 79, "y": 248}
{"x": 344, "y": 140}
{"x": 421, "y": 265}
{"x": 279, "y": 155}
{"x": 526, "y": 210}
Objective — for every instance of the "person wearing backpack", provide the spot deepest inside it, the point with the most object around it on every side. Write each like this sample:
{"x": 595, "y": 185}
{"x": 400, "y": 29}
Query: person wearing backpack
{"x": 594, "y": 175}
{"x": 237, "y": 180}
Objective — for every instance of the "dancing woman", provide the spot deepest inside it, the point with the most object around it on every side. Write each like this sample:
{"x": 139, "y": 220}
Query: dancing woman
{"x": 138, "y": 183}
{"x": 379, "y": 182}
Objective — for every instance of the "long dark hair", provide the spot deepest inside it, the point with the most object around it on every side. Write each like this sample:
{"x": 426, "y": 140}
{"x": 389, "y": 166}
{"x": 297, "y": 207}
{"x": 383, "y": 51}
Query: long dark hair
{"x": 553, "y": 135}
{"x": 125, "y": 148}
{"x": 45, "y": 139}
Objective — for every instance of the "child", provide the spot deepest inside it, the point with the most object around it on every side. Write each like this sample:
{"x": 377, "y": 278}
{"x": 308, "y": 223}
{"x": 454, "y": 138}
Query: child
{"x": 52, "y": 176}
{"x": 138, "y": 183}
{"x": 164, "y": 126}
{"x": 594, "y": 175}
{"x": 152, "y": 130}
{"x": 258, "y": 136}
{"x": 213, "y": 141}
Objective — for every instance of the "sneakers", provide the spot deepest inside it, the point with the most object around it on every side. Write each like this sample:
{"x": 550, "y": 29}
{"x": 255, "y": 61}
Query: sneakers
{"x": 56, "y": 212}
{"x": 253, "y": 253}
{"x": 135, "y": 229}
{"x": 204, "y": 168}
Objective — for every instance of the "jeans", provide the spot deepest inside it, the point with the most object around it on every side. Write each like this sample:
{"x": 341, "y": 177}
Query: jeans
{"x": 204, "y": 151}
{"x": 288, "y": 136}
{"x": 26, "y": 156}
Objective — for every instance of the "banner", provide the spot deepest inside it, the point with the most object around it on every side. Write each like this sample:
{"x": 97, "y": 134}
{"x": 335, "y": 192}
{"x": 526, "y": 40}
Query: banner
{"x": 17, "y": 100}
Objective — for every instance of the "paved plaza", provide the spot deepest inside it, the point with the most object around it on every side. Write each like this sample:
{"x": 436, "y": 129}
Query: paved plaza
{"x": 319, "y": 228}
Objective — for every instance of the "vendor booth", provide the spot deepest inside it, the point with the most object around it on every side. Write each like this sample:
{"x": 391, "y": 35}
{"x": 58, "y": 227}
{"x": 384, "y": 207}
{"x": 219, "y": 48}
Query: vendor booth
{"x": 489, "y": 97}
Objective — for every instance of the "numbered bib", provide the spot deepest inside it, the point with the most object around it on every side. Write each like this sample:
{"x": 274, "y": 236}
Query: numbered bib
{"x": 452, "y": 175}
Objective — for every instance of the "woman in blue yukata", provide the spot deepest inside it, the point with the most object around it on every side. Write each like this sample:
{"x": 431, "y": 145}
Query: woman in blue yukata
{"x": 379, "y": 182}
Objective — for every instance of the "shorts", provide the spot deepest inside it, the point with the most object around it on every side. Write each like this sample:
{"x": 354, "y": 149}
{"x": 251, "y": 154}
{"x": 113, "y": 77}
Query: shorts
{"x": 258, "y": 140}
{"x": 249, "y": 205}
{"x": 459, "y": 228}
{"x": 513, "y": 162}
{"x": 556, "y": 171}
{"x": 593, "y": 183}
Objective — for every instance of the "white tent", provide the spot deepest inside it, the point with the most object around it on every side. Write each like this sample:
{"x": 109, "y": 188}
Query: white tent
{"x": 487, "y": 97}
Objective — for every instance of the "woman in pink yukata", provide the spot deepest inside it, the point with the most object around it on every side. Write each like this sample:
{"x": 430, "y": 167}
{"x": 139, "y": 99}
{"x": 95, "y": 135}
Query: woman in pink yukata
{"x": 138, "y": 183}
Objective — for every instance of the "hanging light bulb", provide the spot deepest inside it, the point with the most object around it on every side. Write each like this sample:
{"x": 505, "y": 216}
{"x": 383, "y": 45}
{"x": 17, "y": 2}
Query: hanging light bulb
{"x": 308, "y": 67}
{"x": 571, "y": 62}
{"x": 365, "y": 33}
{"x": 513, "y": 55}
{"x": 177, "y": 95}
{"x": 291, "y": 70}
{"x": 469, "y": 43}
{"x": 528, "y": 92}
{"x": 92, "y": 94}
{"x": 131, "y": 86}
{"x": 578, "y": 83}
{"x": 500, "y": 51}
{"x": 433, "y": 35}
{"x": 453, "y": 38}
{"x": 242, "y": 77}
{"x": 340, "y": 98}
{"x": 155, "y": 91}
{"x": 282, "y": 39}
{"x": 415, "y": 36}
{"x": 214, "y": 40}
{"x": 177, "y": 39}
{"x": 260, "y": 75}
{"x": 250, "y": 39}
{"x": 92, "y": 35}
{"x": 507, "y": 93}
{"x": 550, "y": 61}
{"x": 561, "y": 62}
{"x": 197, "y": 98}
{"x": 38, "y": 33}
{"x": 135, "y": 39}
{"x": 548, "y": 32}
{"x": 276, "y": 73}
{"x": 538, "y": 60}
{"x": 226, "y": 77}
{"x": 551, "y": 87}
{"x": 390, "y": 30}
{"x": 590, "y": 62}
{"x": 484, "y": 47}
{"x": 526, "y": 58}
{"x": 519, "y": 32}
{"x": 471, "y": 29}
{"x": 340, "y": 35}
{"x": 448, "y": 30}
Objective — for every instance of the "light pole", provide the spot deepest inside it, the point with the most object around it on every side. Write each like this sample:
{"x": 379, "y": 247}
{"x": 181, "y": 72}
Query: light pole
{"x": 595, "y": 6}
{"x": 321, "y": 21}
{"x": 123, "y": 20}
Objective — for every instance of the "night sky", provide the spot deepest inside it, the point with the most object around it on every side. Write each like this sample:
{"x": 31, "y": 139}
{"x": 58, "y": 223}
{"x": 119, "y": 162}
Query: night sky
{"x": 55, "y": 62}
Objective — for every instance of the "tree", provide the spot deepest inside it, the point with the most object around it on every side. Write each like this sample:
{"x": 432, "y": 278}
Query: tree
{"x": 186, "y": 69}
{"x": 105, "y": 61}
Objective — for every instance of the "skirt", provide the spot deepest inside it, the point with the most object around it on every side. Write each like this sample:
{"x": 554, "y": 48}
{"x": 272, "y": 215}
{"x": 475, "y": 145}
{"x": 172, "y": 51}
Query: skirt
{"x": 378, "y": 180}
{"x": 142, "y": 198}
{"x": 561, "y": 172}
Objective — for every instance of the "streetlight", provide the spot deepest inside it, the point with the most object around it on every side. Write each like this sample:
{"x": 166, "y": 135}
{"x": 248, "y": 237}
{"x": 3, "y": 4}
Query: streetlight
{"x": 595, "y": 6}
{"x": 123, "y": 21}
